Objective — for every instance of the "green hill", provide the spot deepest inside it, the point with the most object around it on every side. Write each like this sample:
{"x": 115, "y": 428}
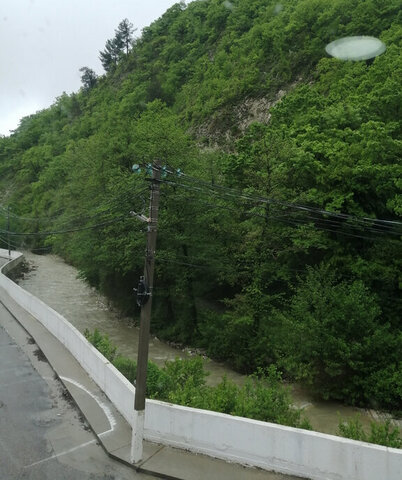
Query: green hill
{"x": 280, "y": 243}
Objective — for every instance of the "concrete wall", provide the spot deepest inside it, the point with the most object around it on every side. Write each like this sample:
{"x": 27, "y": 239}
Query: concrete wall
{"x": 265, "y": 445}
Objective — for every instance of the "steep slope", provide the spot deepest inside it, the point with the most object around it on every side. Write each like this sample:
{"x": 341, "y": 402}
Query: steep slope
{"x": 280, "y": 243}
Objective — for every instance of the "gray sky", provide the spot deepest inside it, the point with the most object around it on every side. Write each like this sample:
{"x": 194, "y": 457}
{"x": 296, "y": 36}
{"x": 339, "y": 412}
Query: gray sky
{"x": 44, "y": 43}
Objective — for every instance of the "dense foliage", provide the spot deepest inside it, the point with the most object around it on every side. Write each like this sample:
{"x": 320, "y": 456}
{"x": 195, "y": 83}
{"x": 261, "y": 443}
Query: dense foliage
{"x": 249, "y": 265}
{"x": 262, "y": 397}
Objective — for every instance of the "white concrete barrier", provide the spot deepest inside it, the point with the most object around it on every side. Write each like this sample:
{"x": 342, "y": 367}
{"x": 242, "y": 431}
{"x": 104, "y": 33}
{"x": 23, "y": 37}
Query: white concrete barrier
{"x": 249, "y": 442}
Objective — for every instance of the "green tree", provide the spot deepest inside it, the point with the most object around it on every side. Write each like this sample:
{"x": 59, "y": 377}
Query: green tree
{"x": 110, "y": 56}
{"x": 336, "y": 341}
{"x": 124, "y": 33}
{"x": 88, "y": 78}
{"x": 118, "y": 46}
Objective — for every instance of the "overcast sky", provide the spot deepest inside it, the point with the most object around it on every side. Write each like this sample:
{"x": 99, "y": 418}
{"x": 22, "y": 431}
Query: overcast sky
{"x": 44, "y": 43}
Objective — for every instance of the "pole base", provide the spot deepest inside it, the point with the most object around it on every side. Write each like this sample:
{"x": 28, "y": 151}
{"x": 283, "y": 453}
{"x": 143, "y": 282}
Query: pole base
{"x": 137, "y": 437}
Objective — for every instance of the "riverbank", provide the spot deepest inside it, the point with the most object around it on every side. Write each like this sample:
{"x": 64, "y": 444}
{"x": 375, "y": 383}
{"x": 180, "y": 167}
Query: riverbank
{"x": 59, "y": 285}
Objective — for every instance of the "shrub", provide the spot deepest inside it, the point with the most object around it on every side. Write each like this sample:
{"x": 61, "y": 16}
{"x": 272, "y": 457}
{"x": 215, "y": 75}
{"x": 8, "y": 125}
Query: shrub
{"x": 338, "y": 344}
{"x": 127, "y": 367}
{"x": 158, "y": 382}
{"x": 380, "y": 433}
{"x": 102, "y": 343}
{"x": 263, "y": 397}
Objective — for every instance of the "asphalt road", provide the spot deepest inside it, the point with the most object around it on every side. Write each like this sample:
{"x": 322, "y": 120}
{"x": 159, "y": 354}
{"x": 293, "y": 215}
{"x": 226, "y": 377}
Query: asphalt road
{"x": 42, "y": 434}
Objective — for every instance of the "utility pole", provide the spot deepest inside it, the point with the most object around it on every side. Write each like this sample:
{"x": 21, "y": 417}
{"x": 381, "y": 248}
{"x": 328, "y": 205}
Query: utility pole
{"x": 145, "y": 292}
{"x": 8, "y": 231}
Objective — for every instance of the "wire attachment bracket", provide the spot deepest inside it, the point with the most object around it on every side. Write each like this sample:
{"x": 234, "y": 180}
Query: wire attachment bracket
{"x": 140, "y": 216}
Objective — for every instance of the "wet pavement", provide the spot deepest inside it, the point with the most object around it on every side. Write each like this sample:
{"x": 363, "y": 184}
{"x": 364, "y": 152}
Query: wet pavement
{"x": 42, "y": 434}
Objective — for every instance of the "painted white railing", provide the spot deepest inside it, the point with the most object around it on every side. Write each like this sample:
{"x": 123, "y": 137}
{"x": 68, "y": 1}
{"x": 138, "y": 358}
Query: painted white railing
{"x": 250, "y": 442}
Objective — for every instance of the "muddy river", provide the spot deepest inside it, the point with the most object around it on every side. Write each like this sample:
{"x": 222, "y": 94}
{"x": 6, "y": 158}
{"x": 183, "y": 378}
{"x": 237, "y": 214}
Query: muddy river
{"x": 58, "y": 285}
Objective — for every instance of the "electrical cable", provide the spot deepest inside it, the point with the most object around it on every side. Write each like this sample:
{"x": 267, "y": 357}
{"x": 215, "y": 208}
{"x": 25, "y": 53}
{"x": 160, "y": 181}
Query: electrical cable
{"x": 6, "y": 242}
{"x": 365, "y": 220}
{"x": 78, "y": 218}
{"x": 294, "y": 221}
{"x": 362, "y": 221}
{"x": 165, "y": 260}
{"x": 240, "y": 194}
{"x": 122, "y": 197}
{"x": 334, "y": 223}
{"x": 60, "y": 232}
{"x": 338, "y": 220}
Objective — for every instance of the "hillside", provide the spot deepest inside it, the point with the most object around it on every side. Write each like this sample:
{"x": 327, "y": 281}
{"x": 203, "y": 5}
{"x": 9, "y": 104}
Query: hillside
{"x": 280, "y": 243}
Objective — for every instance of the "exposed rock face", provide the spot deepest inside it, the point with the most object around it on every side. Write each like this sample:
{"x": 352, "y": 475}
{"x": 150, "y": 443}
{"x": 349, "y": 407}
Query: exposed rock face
{"x": 231, "y": 122}
{"x": 254, "y": 110}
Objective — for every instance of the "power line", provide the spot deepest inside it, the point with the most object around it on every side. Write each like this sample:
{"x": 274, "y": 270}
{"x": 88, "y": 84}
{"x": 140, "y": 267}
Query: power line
{"x": 110, "y": 202}
{"x": 60, "y": 232}
{"x": 311, "y": 214}
{"x": 6, "y": 242}
{"x": 296, "y": 221}
{"x": 176, "y": 262}
{"x": 338, "y": 223}
{"x": 240, "y": 194}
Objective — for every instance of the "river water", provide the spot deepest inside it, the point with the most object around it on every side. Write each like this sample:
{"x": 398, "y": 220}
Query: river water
{"x": 58, "y": 285}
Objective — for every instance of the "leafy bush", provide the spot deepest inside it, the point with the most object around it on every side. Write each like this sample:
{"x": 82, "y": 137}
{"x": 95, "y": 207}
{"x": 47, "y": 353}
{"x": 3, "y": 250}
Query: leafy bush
{"x": 184, "y": 372}
{"x": 337, "y": 343}
{"x": 380, "y": 433}
{"x": 263, "y": 396}
{"x": 102, "y": 343}
{"x": 158, "y": 382}
{"x": 127, "y": 367}
{"x": 223, "y": 398}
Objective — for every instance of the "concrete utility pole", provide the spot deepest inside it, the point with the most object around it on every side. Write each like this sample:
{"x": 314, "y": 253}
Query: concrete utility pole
{"x": 145, "y": 319}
